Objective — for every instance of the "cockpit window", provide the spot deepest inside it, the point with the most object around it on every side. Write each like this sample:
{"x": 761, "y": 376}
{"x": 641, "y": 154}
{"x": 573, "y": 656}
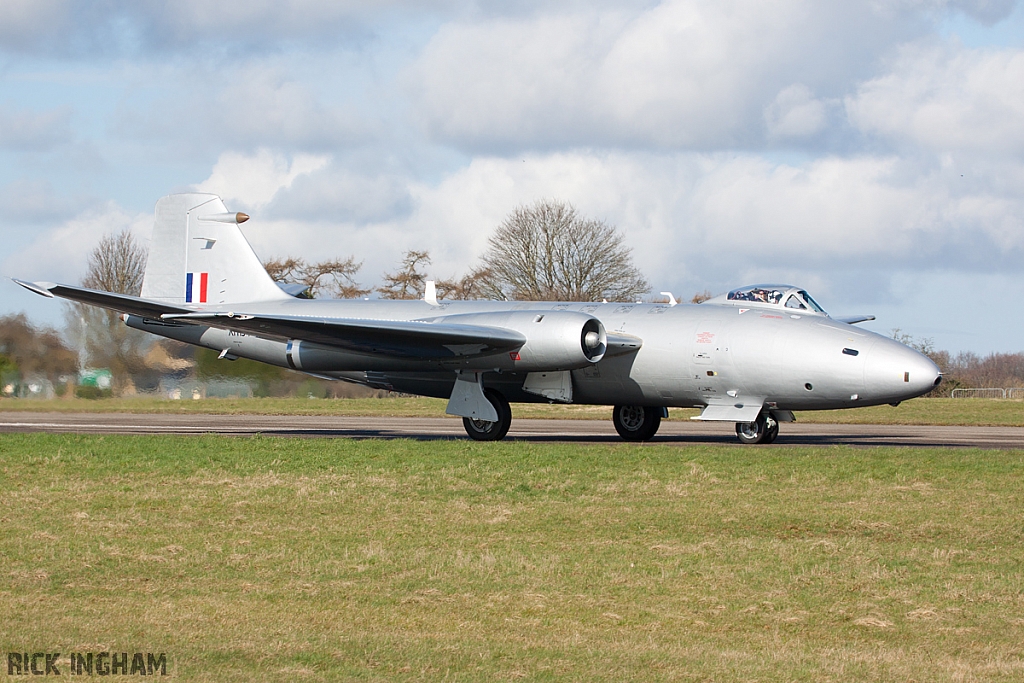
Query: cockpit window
{"x": 811, "y": 302}
{"x": 794, "y": 302}
{"x": 765, "y": 295}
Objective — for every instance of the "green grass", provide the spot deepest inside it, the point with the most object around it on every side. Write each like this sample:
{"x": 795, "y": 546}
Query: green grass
{"x": 264, "y": 558}
{"x": 929, "y": 411}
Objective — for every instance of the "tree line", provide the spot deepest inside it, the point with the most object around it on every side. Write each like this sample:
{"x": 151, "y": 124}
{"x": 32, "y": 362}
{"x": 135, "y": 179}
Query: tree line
{"x": 543, "y": 252}
{"x": 966, "y": 369}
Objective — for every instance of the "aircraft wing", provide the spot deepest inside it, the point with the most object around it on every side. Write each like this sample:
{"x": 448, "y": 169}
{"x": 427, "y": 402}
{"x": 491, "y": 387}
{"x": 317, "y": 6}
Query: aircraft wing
{"x": 395, "y": 338}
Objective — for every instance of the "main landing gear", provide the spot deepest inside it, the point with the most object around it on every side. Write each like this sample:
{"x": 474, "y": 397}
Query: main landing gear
{"x": 763, "y": 430}
{"x": 633, "y": 423}
{"x": 636, "y": 423}
{"x": 482, "y": 430}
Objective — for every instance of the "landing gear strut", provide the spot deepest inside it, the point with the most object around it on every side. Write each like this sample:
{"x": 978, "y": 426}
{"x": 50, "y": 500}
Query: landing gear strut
{"x": 763, "y": 430}
{"x": 636, "y": 423}
{"x": 482, "y": 430}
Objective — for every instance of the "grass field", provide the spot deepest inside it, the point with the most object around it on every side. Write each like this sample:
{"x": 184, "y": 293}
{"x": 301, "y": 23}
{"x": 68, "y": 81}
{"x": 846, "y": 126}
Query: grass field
{"x": 263, "y": 558}
{"x": 930, "y": 411}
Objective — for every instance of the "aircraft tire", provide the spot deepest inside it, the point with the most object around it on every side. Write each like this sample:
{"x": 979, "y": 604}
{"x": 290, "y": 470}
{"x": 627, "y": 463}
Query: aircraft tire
{"x": 481, "y": 430}
{"x": 636, "y": 423}
{"x": 764, "y": 430}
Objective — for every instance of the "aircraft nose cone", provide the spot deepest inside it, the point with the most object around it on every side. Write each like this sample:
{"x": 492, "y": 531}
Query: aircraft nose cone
{"x": 896, "y": 372}
{"x": 922, "y": 374}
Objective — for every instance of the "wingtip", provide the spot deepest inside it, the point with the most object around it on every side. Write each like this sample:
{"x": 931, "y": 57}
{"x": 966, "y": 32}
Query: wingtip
{"x": 40, "y": 288}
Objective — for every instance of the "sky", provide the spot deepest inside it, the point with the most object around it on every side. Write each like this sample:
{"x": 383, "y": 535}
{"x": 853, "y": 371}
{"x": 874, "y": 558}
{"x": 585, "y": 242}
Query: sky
{"x": 871, "y": 152}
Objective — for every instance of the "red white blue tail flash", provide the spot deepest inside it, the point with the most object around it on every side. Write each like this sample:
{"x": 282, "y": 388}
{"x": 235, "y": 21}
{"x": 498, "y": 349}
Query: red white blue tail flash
{"x": 189, "y": 280}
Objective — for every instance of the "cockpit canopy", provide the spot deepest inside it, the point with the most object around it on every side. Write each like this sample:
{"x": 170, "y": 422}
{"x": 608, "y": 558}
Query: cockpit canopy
{"x": 794, "y": 299}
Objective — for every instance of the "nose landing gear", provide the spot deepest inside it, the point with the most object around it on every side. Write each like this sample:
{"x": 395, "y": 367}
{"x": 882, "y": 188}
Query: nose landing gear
{"x": 764, "y": 430}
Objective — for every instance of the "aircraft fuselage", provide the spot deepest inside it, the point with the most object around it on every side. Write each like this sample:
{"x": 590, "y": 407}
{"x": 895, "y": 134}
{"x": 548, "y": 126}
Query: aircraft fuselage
{"x": 691, "y": 355}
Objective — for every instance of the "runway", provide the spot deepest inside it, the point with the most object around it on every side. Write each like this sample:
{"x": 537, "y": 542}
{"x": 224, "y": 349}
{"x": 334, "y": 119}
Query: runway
{"x": 680, "y": 433}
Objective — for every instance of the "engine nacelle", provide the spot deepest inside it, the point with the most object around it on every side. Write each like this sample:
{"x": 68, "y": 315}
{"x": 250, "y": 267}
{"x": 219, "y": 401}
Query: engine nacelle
{"x": 555, "y": 340}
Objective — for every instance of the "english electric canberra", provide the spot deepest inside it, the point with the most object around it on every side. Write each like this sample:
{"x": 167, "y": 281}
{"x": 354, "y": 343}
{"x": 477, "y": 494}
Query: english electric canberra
{"x": 751, "y": 356}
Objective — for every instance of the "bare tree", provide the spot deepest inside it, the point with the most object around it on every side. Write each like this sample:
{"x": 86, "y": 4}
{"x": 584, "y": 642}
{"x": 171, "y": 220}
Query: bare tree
{"x": 547, "y": 251}
{"x": 701, "y": 297}
{"x": 409, "y": 282}
{"x": 117, "y": 264}
{"x": 473, "y": 285}
{"x": 287, "y": 269}
{"x": 333, "y": 278}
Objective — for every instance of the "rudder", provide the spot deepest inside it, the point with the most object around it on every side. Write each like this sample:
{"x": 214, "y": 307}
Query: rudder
{"x": 199, "y": 256}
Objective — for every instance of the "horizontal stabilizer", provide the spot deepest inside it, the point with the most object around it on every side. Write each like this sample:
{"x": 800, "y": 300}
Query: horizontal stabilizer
{"x": 411, "y": 339}
{"x": 116, "y": 302}
{"x": 740, "y": 411}
{"x": 854, "y": 319}
{"x": 40, "y": 288}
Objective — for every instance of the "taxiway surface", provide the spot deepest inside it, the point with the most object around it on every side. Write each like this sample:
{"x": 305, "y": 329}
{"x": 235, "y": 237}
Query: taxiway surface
{"x": 567, "y": 431}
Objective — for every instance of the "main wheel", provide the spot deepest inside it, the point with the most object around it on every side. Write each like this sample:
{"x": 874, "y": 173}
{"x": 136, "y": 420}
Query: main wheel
{"x": 763, "y": 430}
{"x": 636, "y": 423}
{"x": 482, "y": 430}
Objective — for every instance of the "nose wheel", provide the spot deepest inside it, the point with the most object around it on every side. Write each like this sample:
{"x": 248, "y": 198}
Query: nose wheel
{"x": 482, "y": 430}
{"x": 763, "y": 430}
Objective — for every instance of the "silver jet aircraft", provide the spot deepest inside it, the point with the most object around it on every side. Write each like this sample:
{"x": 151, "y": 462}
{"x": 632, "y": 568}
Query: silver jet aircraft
{"x": 751, "y": 356}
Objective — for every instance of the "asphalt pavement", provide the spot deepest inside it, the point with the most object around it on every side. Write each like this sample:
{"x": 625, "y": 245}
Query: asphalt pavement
{"x": 679, "y": 433}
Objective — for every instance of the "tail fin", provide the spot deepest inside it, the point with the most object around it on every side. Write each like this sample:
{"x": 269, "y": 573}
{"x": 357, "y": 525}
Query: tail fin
{"x": 197, "y": 255}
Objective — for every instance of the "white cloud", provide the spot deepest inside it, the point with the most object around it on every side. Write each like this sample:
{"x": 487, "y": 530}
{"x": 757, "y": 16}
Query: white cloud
{"x": 61, "y": 253}
{"x": 987, "y": 12}
{"x": 679, "y": 74}
{"x": 22, "y": 22}
{"x": 25, "y": 130}
{"x": 947, "y": 98}
{"x": 259, "y": 103}
{"x": 145, "y": 26}
{"x": 253, "y": 180}
{"x": 696, "y": 220}
{"x": 795, "y": 113}
{"x": 36, "y": 202}
{"x": 344, "y": 195}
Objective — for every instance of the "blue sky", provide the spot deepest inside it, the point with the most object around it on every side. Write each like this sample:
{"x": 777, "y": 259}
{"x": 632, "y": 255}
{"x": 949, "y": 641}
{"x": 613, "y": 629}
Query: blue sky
{"x": 871, "y": 152}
